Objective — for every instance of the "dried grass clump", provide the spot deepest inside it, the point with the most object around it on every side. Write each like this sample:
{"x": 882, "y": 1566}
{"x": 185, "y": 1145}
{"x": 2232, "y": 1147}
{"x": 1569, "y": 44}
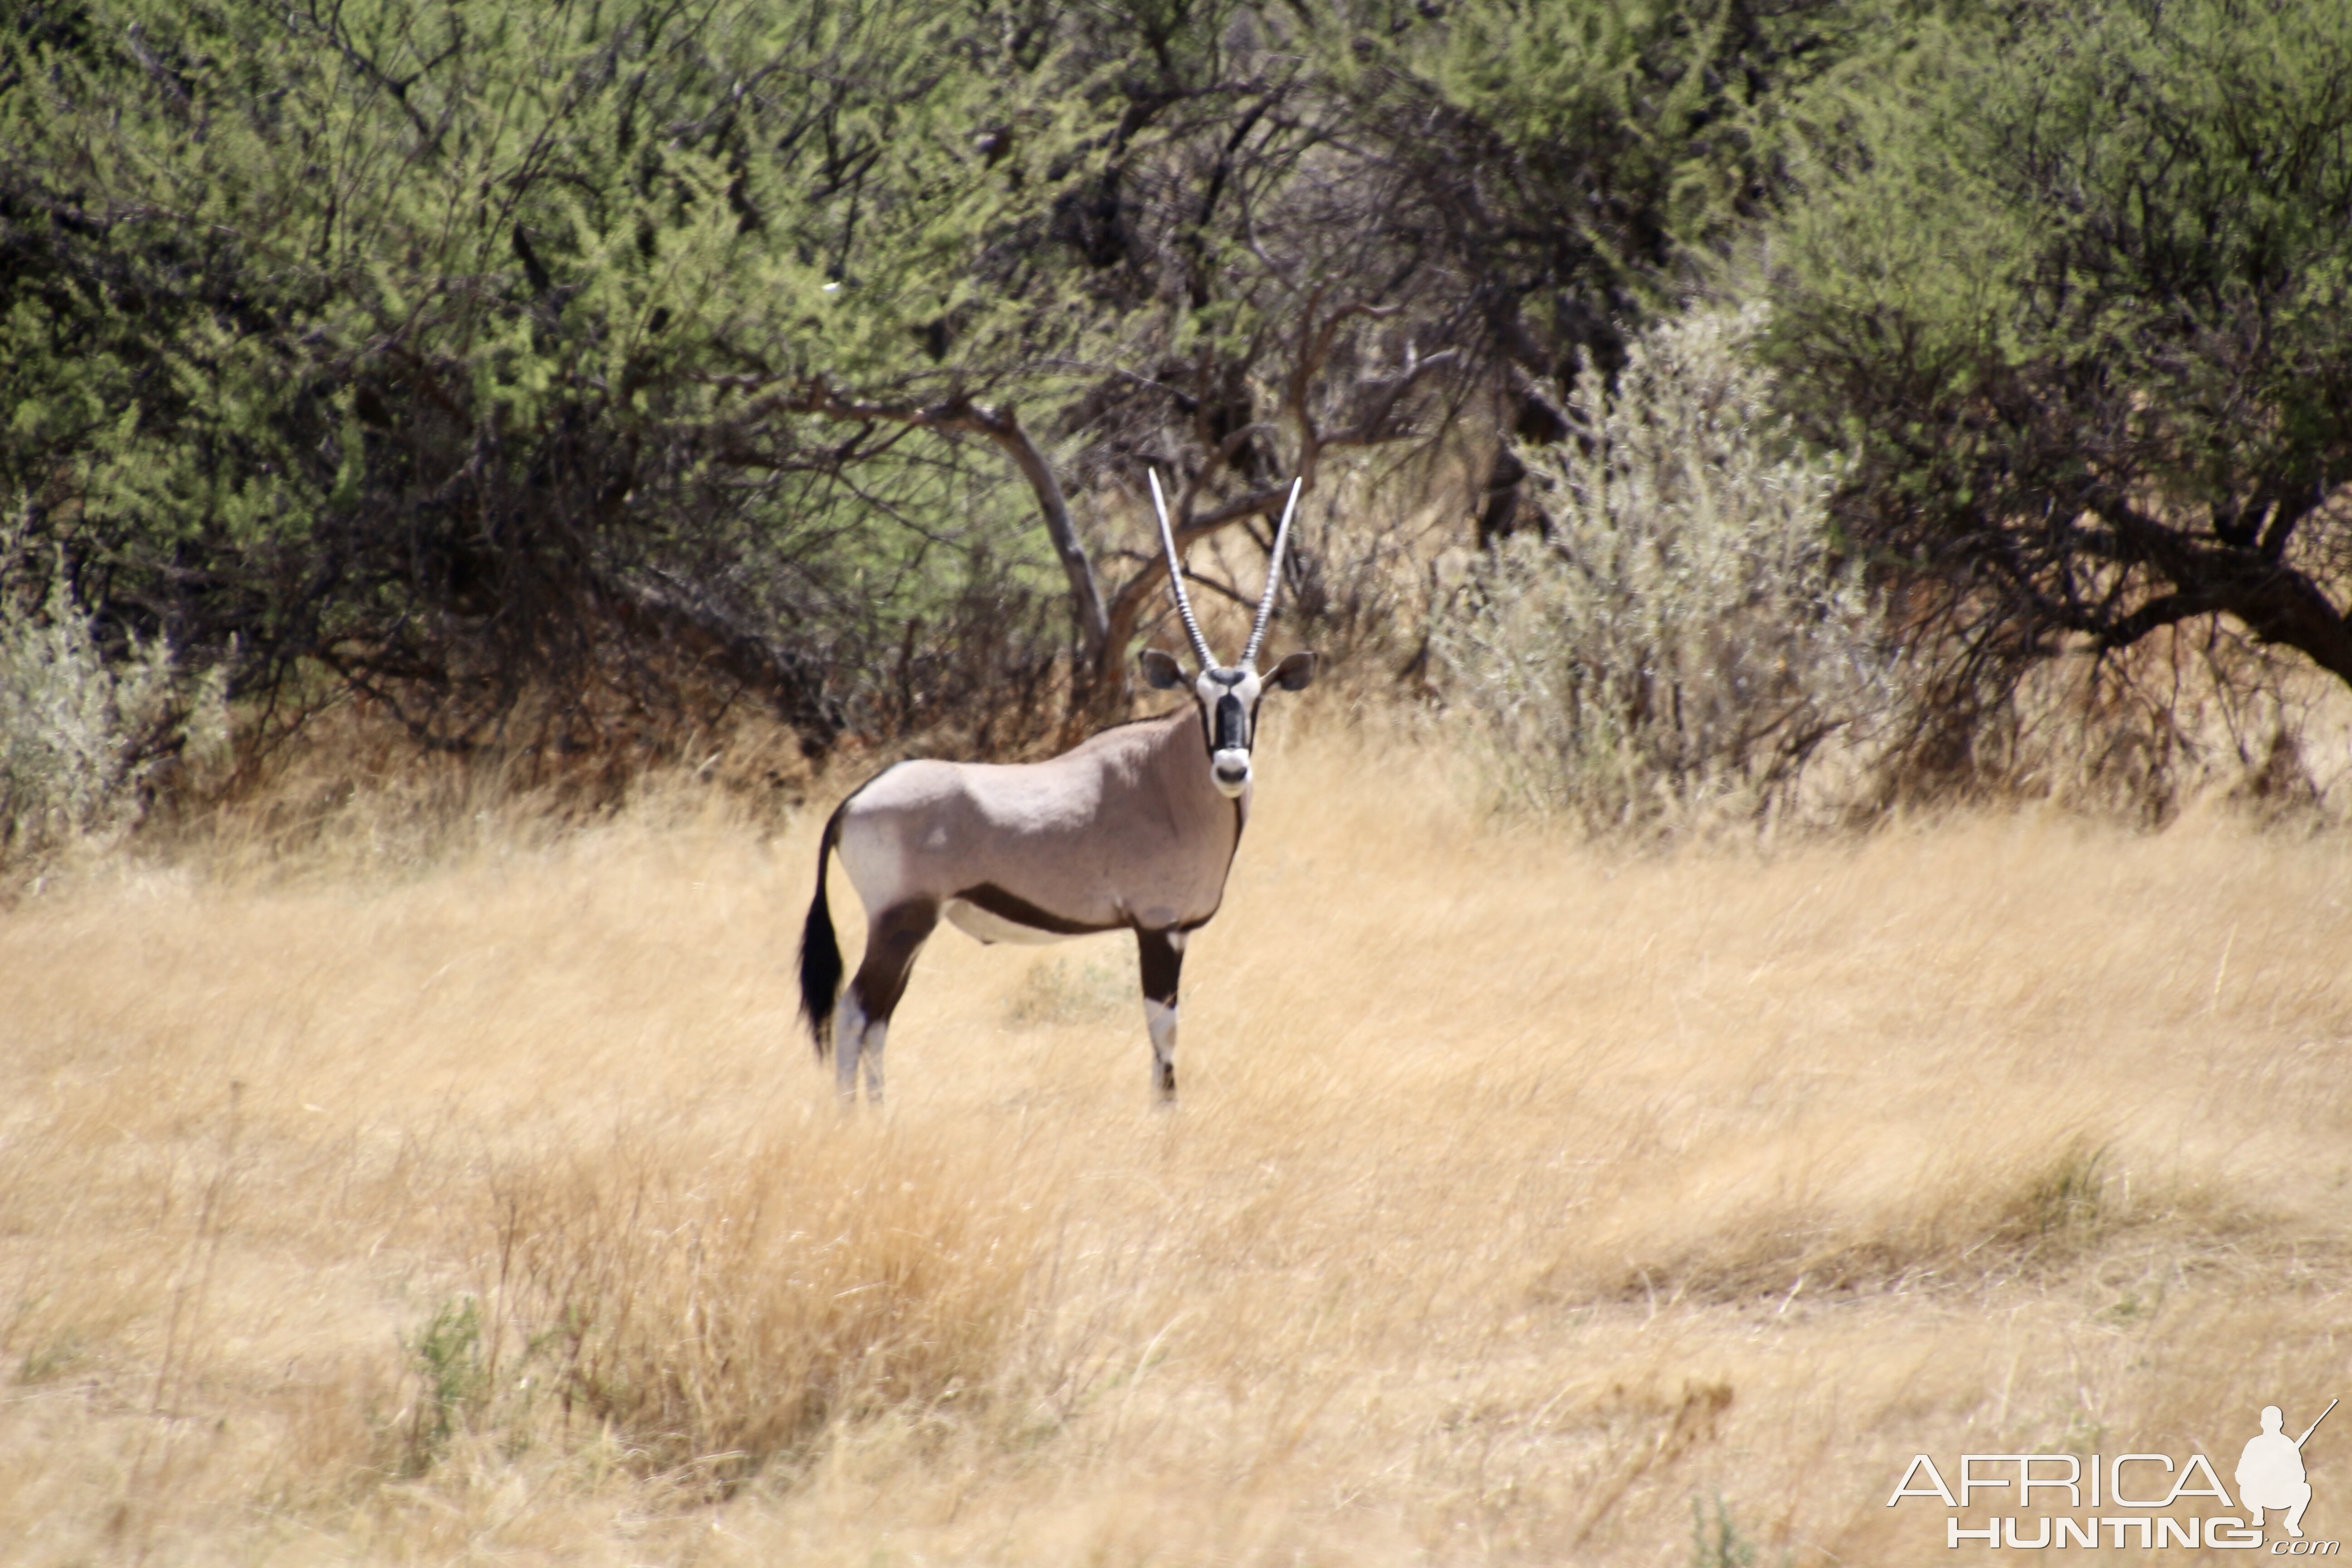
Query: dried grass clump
{"x": 713, "y": 1313}
{"x": 1998, "y": 1213}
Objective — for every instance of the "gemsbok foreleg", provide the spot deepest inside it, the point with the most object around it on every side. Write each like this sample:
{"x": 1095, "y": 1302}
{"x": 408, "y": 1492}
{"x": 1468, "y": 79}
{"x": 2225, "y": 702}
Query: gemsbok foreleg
{"x": 862, "y": 1026}
{"x": 1162, "y": 954}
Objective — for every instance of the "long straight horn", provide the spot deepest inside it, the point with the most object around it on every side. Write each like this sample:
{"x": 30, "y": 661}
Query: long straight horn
{"x": 1176, "y": 577}
{"x": 1272, "y": 577}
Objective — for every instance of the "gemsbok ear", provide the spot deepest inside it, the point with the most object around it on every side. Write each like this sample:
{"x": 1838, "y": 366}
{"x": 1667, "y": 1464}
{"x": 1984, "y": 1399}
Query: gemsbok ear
{"x": 1293, "y": 673}
{"x": 1161, "y": 671}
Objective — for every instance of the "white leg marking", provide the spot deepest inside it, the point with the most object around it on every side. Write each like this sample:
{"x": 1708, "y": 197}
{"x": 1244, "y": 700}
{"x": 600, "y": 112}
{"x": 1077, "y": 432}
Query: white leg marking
{"x": 849, "y": 1038}
{"x": 1160, "y": 1017}
{"x": 877, "y": 1034}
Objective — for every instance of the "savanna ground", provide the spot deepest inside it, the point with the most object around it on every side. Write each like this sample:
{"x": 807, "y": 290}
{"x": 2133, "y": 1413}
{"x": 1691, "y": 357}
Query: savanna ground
{"x": 1526, "y": 1203}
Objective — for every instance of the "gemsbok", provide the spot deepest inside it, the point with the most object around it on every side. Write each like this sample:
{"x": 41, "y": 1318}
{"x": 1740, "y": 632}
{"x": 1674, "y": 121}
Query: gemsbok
{"x": 1133, "y": 829}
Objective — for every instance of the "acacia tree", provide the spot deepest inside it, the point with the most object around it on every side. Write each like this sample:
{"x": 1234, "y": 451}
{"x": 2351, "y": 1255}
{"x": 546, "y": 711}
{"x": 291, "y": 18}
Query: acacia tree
{"x": 413, "y": 344}
{"x": 2077, "y": 290}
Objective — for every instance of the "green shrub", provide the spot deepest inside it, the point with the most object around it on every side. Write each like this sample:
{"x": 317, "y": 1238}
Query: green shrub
{"x": 1681, "y": 638}
{"x": 82, "y": 738}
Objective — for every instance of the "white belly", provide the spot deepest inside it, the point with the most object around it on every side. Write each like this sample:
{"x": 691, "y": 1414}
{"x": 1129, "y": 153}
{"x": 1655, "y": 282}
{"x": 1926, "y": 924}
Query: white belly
{"x": 973, "y": 920}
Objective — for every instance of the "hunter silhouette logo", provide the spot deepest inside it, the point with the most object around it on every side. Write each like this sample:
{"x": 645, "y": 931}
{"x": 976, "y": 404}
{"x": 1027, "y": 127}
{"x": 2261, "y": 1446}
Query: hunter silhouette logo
{"x": 2270, "y": 1473}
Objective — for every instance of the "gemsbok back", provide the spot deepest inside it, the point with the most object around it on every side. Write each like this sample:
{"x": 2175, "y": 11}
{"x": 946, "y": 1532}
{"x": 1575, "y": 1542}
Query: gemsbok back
{"x": 1133, "y": 829}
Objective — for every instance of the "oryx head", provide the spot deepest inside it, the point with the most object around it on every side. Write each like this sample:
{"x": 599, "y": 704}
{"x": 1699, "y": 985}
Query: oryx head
{"x": 1227, "y": 694}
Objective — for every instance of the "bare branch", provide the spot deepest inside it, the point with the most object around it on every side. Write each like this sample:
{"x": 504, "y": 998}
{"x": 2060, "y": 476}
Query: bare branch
{"x": 959, "y": 415}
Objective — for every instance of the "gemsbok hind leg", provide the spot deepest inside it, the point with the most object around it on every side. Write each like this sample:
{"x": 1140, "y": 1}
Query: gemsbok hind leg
{"x": 862, "y": 1023}
{"x": 1161, "y": 955}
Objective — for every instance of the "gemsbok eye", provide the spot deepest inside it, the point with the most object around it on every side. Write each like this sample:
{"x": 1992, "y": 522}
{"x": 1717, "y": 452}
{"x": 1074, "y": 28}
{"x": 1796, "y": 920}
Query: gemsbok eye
{"x": 1132, "y": 830}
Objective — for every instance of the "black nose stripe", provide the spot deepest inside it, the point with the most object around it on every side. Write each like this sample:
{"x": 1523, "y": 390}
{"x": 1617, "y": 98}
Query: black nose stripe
{"x": 1232, "y": 724}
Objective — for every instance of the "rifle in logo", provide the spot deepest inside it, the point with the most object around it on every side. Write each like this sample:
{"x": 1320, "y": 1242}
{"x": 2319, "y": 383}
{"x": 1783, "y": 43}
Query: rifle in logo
{"x": 2270, "y": 1471}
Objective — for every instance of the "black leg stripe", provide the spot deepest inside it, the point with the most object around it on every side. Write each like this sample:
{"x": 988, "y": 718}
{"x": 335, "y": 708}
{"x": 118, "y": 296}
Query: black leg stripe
{"x": 898, "y": 934}
{"x": 1163, "y": 966}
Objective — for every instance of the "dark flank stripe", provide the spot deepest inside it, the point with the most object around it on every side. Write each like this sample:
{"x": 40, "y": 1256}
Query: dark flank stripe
{"x": 1021, "y": 912}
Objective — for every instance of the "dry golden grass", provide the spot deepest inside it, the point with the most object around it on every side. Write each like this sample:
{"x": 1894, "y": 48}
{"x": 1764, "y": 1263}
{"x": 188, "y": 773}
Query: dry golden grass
{"x": 1524, "y": 1198}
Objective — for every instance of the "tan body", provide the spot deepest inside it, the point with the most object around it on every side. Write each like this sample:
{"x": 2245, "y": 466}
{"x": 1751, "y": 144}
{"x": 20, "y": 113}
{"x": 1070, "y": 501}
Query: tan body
{"x": 1125, "y": 832}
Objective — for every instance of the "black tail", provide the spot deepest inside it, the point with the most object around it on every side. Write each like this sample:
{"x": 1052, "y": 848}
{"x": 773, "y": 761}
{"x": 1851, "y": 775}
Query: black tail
{"x": 821, "y": 965}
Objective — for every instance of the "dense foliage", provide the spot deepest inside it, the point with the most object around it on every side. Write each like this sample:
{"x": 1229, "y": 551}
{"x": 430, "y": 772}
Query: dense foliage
{"x": 410, "y": 343}
{"x": 2077, "y": 291}
{"x": 601, "y": 357}
{"x": 561, "y": 375}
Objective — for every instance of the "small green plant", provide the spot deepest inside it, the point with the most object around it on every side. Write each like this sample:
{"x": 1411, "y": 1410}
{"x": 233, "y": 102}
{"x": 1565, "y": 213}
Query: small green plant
{"x": 2084, "y": 1434}
{"x": 452, "y": 1381}
{"x": 1054, "y": 992}
{"x": 1716, "y": 1542}
{"x": 2068, "y": 1196}
{"x": 51, "y": 1358}
{"x": 2129, "y": 1307}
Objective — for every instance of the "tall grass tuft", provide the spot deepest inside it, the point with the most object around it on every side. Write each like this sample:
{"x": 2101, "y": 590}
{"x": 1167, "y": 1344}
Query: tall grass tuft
{"x": 1681, "y": 640}
{"x": 714, "y": 1315}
